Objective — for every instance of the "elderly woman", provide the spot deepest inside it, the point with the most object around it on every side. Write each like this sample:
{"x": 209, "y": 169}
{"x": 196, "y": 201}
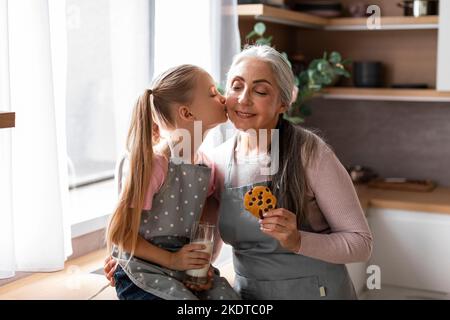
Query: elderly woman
{"x": 299, "y": 249}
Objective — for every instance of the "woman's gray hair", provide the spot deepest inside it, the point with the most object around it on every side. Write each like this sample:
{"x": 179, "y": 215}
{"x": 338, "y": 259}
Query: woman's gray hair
{"x": 280, "y": 66}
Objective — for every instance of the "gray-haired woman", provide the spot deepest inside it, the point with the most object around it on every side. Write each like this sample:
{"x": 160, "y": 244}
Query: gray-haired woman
{"x": 298, "y": 250}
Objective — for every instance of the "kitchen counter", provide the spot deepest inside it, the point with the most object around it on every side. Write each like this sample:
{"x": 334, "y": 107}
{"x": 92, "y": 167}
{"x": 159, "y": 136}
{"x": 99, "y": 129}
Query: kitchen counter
{"x": 436, "y": 201}
{"x": 7, "y": 119}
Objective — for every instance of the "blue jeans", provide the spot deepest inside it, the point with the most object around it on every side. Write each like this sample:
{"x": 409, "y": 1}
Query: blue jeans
{"x": 127, "y": 290}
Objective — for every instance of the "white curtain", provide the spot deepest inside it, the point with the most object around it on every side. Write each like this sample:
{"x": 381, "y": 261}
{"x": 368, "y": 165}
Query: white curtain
{"x": 34, "y": 214}
{"x": 34, "y": 230}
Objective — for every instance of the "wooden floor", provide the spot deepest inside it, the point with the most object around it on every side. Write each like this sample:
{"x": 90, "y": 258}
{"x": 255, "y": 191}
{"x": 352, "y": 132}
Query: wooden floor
{"x": 75, "y": 282}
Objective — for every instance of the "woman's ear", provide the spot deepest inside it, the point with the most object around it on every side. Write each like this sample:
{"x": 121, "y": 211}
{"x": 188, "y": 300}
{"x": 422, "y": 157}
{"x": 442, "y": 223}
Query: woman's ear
{"x": 283, "y": 109}
{"x": 185, "y": 113}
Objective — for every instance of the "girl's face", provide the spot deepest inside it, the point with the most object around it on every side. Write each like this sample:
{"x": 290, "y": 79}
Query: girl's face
{"x": 253, "y": 96}
{"x": 208, "y": 105}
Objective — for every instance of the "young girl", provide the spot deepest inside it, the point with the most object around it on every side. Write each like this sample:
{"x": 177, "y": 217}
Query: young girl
{"x": 163, "y": 197}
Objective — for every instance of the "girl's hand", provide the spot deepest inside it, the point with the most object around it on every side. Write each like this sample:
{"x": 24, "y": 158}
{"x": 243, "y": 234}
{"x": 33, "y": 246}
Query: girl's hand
{"x": 189, "y": 257}
{"x": 202, "y": 287}
{"x": 109, "y": 268}
{"x": 281, "y": 224}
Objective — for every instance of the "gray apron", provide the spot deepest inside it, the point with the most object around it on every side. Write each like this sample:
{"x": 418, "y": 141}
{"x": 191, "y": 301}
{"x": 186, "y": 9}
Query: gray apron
{"x": 175, "y": 210}
{"x": 265, "y": 270}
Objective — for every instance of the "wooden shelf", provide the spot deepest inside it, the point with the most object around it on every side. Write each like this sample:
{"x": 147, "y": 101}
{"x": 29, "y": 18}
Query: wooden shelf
{"x": 282, "y": 16}
{"x": 299, "y": 19}
{"x": 386, "y": 94}
{"x": 7, "y": 119}
{"x": 387, "y": 23}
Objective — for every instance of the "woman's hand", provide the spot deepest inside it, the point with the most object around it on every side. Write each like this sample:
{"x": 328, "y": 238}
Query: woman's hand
{"x": 281, "y": 224}
{"x": 189, "y": 257}
{"x": 202, "y": 287}
{"x": 109, "y": 268}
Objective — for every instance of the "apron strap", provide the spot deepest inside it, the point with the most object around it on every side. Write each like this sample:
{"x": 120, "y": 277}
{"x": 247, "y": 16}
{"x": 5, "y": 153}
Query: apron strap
{"x": 173, "y": 157}
{"x": 229, "y": 162}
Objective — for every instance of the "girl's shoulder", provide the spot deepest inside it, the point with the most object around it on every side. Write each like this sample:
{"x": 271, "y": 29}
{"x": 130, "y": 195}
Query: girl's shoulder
{"x": 160, "y": 161}
{"x": 160, "y": 166}
{"x": 202, "y": 158}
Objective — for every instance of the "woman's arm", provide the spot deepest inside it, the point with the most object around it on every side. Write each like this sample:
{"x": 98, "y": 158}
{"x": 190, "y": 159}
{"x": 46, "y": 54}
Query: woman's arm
{"x": 349, "y": 238}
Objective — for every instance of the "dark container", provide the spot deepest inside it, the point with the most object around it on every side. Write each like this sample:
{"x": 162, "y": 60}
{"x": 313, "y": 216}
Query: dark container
{"x": 368, "y": 74}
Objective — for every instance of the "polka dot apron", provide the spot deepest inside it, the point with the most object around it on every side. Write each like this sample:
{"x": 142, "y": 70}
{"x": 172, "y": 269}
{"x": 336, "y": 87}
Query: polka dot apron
{"x": 175, "y": 210}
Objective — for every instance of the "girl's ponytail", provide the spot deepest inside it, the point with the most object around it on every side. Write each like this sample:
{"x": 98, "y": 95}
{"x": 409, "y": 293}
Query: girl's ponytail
{"x": 123, "y": 228}
{"x": 154, "y": 108}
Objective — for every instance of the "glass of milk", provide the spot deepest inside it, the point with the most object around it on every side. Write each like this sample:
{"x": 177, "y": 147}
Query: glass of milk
{"x": 202, "y": 234}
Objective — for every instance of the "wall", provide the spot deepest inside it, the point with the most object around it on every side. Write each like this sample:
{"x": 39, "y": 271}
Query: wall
{"x": 396, "y": 139}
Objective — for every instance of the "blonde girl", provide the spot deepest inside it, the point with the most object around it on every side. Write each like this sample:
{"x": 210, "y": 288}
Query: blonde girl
{"x": 163, "y": 196}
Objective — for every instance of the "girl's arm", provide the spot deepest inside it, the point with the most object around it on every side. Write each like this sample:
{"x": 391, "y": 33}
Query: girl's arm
{"x": 186, "y": 258}
{"x": 149, "y": 252}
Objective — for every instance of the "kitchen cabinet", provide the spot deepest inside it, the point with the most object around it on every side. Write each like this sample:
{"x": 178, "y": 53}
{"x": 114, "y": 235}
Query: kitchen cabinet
{"x": 411, "y": 248}
{"x": 398, "y": 220}
{"x": 357, "y": 272}
{"x": 408, "y": 47}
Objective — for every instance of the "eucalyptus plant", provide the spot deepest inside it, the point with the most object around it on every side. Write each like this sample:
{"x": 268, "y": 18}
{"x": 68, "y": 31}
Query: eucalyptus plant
{"x": 320, "y": 73}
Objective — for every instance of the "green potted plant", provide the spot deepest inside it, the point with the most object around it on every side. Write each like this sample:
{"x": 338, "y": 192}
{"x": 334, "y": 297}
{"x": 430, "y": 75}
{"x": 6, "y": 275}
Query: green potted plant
{"x": 321, "y": 72}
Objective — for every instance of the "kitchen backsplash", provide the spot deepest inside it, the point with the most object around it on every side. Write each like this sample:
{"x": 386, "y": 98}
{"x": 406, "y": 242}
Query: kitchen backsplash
{"x": 396, "y": 139}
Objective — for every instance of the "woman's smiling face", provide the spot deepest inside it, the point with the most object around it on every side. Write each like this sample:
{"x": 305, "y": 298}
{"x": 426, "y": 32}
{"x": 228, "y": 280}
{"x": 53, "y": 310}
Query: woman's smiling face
{"x": 253, "y": 96}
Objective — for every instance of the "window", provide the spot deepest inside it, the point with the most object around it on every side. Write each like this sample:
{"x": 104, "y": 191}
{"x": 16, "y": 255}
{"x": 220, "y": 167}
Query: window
{"x": 182, "y": 34}
{"x": 90, "y": 123}
{"x": 109, "y": 64}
